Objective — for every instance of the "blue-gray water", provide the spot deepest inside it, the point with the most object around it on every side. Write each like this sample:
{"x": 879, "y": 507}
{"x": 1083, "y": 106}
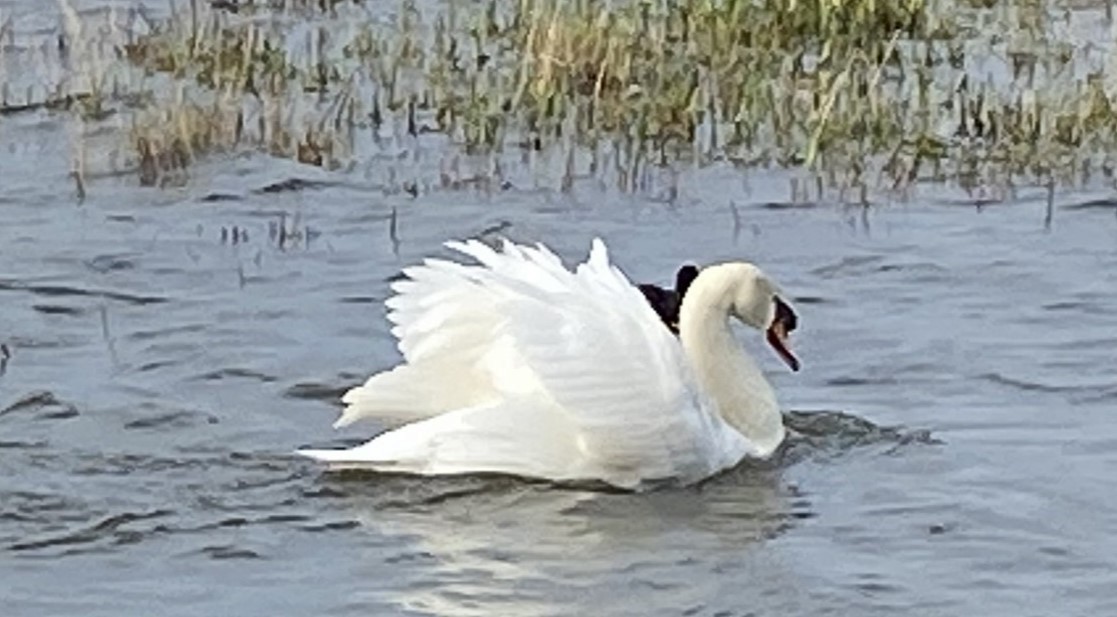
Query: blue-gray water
{"x": 161, "y": 375}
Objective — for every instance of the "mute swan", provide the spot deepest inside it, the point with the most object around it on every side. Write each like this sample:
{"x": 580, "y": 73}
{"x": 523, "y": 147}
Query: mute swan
{"x": 520, "y": 366}
{"x": 667, "y": 302}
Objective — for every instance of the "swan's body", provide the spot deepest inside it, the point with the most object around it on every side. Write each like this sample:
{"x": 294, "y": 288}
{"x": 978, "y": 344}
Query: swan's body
{"x": 521, "y": 366}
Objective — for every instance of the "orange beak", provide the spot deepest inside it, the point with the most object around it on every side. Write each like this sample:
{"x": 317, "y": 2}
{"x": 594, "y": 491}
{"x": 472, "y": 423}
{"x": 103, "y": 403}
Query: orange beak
{"x": 782, "y": 325}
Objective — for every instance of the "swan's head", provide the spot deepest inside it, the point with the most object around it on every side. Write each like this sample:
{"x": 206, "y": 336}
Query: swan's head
{"x": 756, "y": 301}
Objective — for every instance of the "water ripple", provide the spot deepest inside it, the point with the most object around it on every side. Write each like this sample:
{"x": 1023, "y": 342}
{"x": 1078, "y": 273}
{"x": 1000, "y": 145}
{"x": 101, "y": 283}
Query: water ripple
{"x": 236, "y": 373}
{"x": 1027, "y": 385}
{"x": 43, "y": 404}
{"x": 55, "y": 309}
{"x": 326, "y": 392}
{"x": 229, "y": 552}
{"x": 171, "y": 421}
{"x": 66, "y": 290}
{"x": 106, "y": 529}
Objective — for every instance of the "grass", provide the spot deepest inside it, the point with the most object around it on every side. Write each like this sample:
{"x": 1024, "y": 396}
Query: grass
{"x": 860, "y": 96}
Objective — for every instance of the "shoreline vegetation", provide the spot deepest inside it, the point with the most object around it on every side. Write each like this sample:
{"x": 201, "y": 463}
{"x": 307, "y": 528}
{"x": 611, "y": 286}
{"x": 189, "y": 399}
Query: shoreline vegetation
{"x": 859, "y": 97}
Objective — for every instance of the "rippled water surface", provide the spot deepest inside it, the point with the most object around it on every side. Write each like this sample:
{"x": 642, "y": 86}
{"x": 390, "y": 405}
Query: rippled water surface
{"x": 163, "y": 367}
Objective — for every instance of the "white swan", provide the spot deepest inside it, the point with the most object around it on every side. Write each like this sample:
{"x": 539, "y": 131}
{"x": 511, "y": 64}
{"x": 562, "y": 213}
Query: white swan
{"x": 520, "y": 366}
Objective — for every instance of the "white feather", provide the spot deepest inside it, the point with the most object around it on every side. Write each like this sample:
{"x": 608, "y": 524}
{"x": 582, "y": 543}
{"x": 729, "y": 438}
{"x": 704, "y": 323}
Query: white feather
{"x": 518, "y": 365}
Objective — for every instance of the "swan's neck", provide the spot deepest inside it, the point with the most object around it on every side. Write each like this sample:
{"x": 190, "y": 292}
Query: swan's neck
{"x": 743, "y": 397}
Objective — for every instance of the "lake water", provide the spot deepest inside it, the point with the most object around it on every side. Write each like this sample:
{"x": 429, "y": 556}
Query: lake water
{"x": 161, "y": 374}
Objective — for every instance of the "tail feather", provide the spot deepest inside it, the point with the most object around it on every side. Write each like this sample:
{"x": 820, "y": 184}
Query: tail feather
{"x": 335, "y": 458}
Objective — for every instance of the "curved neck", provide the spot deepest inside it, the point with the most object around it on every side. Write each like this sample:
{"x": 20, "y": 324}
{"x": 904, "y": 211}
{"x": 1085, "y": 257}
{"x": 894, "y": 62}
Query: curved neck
{"x": 741, "y": 394}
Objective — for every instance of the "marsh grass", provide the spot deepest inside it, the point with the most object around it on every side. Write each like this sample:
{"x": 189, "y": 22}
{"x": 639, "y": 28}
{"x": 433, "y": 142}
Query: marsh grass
{"x": 864, "y": 94}
{"x": 858, "y": 96}
{"x": 223, "y": 89}
{"x": 74, "y": 75}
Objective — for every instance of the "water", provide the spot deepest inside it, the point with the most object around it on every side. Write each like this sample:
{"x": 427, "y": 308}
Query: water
{"x": 161, "y": 374}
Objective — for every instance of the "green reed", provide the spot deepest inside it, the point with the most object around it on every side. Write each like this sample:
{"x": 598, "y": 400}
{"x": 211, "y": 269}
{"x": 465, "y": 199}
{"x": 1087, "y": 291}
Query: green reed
{"x": 859, "y": 95}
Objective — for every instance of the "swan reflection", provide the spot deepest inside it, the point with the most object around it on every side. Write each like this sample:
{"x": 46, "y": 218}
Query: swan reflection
{"x": 473, "y": 545}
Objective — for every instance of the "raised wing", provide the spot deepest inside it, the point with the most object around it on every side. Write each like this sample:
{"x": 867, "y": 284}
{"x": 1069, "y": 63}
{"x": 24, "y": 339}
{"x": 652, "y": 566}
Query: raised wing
{"x": 608, "y": 361}
{"x": 448, "y": 321}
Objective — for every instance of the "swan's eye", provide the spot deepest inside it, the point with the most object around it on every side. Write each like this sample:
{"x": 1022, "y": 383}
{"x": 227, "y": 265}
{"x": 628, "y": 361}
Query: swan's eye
{"x": 785, "y": 315}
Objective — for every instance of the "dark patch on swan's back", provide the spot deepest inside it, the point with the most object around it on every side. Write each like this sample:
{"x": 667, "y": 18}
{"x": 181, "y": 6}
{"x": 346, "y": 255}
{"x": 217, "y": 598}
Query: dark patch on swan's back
{"x": 666, "y": 302}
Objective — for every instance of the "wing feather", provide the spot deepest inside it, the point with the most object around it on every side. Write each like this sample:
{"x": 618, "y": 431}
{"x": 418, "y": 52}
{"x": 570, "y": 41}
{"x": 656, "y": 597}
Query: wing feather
{"x": 608, "y": 362}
